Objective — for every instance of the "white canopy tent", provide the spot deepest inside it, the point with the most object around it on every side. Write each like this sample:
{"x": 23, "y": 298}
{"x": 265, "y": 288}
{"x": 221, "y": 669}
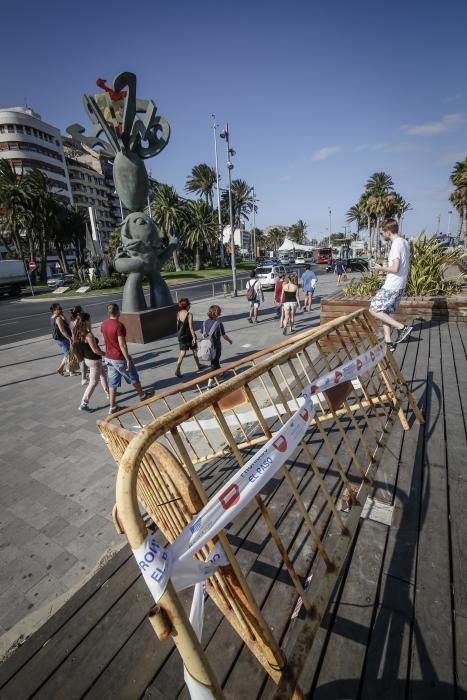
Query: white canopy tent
{"x": 290, "y": 245}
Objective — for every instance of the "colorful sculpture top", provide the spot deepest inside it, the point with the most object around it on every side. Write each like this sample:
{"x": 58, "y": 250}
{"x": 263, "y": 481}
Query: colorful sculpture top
{"x": 132, "y": 133}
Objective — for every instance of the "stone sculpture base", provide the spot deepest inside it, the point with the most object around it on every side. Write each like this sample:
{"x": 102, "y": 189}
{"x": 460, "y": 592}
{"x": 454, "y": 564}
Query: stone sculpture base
{"x": 146, "y": 326}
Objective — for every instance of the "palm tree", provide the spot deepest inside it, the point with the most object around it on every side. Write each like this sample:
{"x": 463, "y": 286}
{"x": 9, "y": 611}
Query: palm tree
{"x": 401, "y": 207}
{"x": 358, "y": 214}
{"x": 202, "y": 181}
{"x": 275, "y": 238}
{"x": 242, "y": 202}
{"x": 14, "y": 203}
{"x": 297, "y": 232}
{"x": 379, "y": 190}
{"x": 201, "y": 228}
{"x": 46, "y": 219}
{"x": 169, "y": 213}
{"x": 459, "y": 196}
{"x": 76, "y": 226}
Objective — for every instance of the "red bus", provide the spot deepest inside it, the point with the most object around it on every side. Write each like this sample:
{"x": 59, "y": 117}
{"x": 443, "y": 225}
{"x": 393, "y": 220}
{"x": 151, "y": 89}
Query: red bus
{"x": 324, "y": 255}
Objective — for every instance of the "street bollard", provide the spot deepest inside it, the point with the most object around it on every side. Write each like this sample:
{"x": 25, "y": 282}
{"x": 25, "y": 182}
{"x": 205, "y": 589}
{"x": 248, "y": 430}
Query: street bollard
{"x": 226, "y": 287}
{"x": 213, "y": 291}
{"x": 176, "y": 296}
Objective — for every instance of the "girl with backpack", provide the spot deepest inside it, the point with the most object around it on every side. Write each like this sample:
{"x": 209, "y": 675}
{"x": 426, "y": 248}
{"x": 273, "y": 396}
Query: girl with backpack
{"x": 290, "y": 300}
{"x": 211, "y": 344}
{"x": 186, "y": 335}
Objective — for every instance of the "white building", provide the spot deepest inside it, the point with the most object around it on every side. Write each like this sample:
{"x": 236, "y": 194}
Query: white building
{"x": 28, "y": 142}
{"x": 242, "y": 238}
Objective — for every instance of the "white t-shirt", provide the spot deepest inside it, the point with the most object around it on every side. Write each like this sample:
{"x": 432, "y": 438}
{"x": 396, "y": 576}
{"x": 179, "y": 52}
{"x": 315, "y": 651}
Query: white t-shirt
{"x": 398, "y": 280}
{"x": 256, "y": 286}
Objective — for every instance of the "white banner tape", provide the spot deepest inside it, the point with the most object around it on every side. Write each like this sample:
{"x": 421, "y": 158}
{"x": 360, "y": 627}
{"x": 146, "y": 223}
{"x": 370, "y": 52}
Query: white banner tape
{"x": 176, "y": 561}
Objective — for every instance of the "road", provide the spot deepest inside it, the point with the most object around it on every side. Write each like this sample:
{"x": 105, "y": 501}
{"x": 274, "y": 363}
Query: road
{"x": 21, "y": 319}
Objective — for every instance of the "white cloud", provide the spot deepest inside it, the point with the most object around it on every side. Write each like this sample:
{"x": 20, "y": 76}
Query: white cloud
{"x": 446, "y": 123}
{"x": 326, "y": 152}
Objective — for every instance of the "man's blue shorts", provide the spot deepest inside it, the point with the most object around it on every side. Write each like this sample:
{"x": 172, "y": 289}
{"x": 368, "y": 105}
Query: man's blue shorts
{"x": 116, "y": 369}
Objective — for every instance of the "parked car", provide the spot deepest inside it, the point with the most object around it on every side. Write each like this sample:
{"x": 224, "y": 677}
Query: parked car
{"x": 267, "y": 275}
{"x": 356, "y": 265}
{"x": 61, "y": 280}
{"x": 300, "y": 260}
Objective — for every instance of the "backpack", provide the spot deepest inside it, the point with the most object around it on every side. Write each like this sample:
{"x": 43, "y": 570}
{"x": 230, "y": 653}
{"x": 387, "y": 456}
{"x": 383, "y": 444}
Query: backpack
{"x": 251, "y": 292}
{"x": 206, "y": 349}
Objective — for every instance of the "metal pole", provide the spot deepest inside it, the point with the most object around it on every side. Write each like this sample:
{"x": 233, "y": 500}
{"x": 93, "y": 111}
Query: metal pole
{"x": 449, "y": 222}
{"x": 221, "y": 235}
{"x": 330, "y": 227}
{"x": 254, "y": 227}
{"x": 225, "y": 134}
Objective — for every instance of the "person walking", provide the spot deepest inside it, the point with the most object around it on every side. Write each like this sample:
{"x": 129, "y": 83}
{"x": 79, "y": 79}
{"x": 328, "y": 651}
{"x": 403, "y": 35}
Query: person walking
{"x": 290, "y": 300}
{"x": 387, "y": 299}
{"x": 72, "y": 319}
{"x": 62, "y": 335}
{"x": 186, "y": 335}
{"x": 87, "y": 349}
{"x": 308, "y": 286}
{"x": 339, "y": 269}
{"x": 278, "y": 295}
{"x": 214, "y": 329}
{"x": 254, "y": 291}
{"x": 118, "y": 360}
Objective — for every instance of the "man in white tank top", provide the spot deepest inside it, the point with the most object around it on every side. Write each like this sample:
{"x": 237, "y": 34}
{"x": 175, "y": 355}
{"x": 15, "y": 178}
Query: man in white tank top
{"x": 388, "y": 298}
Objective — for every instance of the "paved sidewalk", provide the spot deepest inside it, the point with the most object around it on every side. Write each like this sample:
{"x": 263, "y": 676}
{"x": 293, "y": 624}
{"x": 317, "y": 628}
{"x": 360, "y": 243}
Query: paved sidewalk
{"x": 57, "y": 478}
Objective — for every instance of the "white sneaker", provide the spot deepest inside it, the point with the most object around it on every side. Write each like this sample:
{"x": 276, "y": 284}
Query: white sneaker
{"x": 84, "y": 382}
{"x": 210, "y": 383}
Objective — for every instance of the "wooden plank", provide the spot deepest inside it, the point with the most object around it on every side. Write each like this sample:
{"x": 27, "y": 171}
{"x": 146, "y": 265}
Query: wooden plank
{"x": 346, "y": 648}
{"x": 81, "y": 667}
{"x": 457, "y": 481}
{"x": 57, "y": 648}
{"x": 33, "y": 644}
{"x": 385, "y": 671}
{"x": 431, "y": 663}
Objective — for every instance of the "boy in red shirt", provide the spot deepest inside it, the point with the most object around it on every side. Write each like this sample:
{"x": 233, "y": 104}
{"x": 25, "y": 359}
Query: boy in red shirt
{"x": 118, "y": 360}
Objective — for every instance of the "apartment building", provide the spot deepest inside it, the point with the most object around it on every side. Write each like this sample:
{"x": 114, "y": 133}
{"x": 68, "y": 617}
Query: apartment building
{"x": 29, "y": 142}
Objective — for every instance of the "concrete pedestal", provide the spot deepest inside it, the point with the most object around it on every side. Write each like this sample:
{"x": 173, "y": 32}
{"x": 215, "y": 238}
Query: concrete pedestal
{"x": 146, "y": 326}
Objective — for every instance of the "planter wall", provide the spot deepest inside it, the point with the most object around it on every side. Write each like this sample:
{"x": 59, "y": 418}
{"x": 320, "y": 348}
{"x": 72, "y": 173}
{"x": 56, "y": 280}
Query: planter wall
{"x": 411, "y": 308}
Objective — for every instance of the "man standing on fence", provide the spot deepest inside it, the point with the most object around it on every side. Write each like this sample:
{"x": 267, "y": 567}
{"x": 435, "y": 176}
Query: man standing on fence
{"x": 117, "y": 358}
{"x": 388, "y": 298}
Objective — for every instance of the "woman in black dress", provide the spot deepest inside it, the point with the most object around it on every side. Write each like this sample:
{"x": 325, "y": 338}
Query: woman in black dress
{"x": 186, "y": 335}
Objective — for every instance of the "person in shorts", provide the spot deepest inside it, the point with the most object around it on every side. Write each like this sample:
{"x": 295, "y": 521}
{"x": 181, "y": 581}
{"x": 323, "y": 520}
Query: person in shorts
{"x": 186, "y": 335}
{"x": 213, "y": 320}
{"x": 117, "y": 358}
{"x": 387, "y": 300}
{"x": 254, "y": 290}
{"x": 308, "y": 284}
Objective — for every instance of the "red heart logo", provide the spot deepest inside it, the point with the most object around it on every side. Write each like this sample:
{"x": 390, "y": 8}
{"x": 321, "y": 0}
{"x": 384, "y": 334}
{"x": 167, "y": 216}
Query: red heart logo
{"x": 359, "y": 364}
{"x": 304, "y": 414}
{"x": 337, "y": 376}
{"x": 372, "y": 355}
{"x": 314, "y": 388}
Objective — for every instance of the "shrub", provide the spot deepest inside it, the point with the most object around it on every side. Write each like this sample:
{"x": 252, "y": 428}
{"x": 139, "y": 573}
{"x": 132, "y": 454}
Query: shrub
{"x": 428, "y": 263}
{"x": 115, "y": 280}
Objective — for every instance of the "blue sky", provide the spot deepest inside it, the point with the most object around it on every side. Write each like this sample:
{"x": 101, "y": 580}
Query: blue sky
{"x": 318, "y": 95}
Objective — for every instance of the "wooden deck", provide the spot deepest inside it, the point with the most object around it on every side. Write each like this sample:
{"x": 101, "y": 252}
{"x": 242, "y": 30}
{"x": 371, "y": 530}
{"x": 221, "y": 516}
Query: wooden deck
{"x": 397, "y": 623}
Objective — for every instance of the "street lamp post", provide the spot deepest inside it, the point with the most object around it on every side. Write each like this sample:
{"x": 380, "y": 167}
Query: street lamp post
{"x": 253, "y": 238}
{"x": 330, "y": 226}
{"x": 449, "y": 222}
{"x": 230, "y": 152}
{"x": 221, "y": 237}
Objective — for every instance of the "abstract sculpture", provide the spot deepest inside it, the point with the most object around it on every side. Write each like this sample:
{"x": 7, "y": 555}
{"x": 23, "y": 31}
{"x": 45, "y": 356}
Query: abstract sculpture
{"x": 133, "y": 133}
